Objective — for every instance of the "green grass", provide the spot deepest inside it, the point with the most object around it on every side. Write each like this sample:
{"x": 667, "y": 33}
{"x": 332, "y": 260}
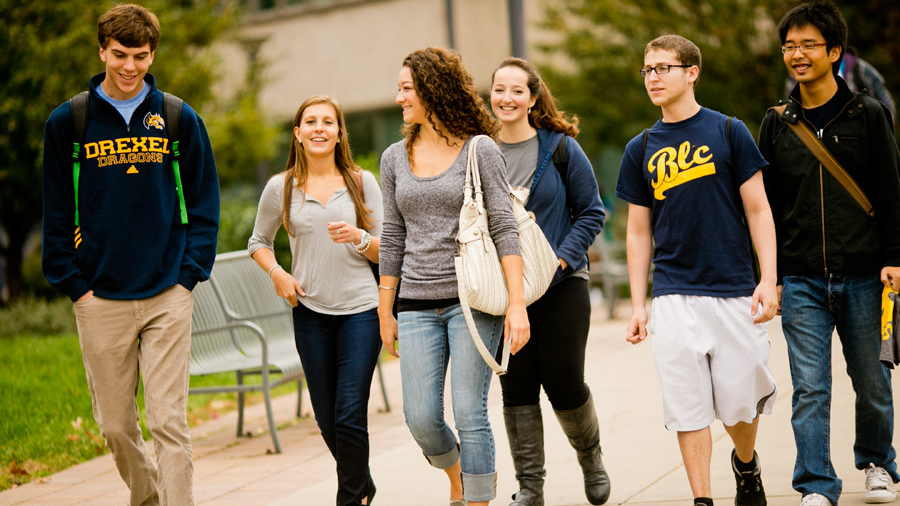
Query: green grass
{"x": 46, "y": 422}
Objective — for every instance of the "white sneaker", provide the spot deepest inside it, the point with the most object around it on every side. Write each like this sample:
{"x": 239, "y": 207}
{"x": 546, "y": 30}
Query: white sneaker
{"x": 815, "y": 500}
{"x": 879, "y": 485}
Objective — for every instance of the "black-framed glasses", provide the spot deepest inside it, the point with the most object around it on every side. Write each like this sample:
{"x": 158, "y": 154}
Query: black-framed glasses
{"x": 661, "y": 69}
{"x": 806, "y": 47}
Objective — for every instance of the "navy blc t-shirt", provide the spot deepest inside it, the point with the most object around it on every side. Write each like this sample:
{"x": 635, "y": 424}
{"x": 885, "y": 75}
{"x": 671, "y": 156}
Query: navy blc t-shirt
{"x": 690, "y": 178}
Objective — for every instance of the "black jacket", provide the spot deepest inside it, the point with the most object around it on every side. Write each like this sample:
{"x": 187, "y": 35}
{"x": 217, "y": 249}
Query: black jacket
{"x": 820, "y": 228}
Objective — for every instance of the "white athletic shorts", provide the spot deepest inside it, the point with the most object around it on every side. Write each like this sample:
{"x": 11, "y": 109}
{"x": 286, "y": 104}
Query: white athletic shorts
{"x": 712, "y": 361}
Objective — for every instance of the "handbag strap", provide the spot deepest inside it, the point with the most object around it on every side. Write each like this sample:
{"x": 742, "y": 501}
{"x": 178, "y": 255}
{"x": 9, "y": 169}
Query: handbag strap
{"x": 825, "y": 157}
{"x": 473, "y": 175}
{"x": 500, "y": 368}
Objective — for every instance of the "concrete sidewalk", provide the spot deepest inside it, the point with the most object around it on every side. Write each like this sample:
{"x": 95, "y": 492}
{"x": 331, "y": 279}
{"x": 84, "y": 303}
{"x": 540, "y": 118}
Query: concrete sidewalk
{"x": 643, "y": 459}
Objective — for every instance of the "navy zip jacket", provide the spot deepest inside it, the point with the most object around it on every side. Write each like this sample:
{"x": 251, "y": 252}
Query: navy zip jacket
{"x": 570, "y": 214}
{"x": 131, "y": 243}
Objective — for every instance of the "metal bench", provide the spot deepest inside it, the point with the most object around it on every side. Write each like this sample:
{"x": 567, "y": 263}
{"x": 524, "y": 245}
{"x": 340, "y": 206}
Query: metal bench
{"x": 607, "y": 271}
{"x": 241, "y": 325}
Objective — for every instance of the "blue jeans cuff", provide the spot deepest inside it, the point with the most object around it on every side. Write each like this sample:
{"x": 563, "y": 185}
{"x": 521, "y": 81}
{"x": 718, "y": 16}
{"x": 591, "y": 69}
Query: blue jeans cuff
{"x": 479, "y": 487}
{"x": 445, "y": 460}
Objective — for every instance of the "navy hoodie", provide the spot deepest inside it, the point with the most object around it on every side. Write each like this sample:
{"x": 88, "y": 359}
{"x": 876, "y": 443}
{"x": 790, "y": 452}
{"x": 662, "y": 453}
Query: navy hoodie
{"x": 569, "y": 213}
{"x": 131, "y": 243}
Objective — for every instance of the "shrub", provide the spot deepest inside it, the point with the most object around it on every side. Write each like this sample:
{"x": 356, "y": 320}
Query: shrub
{"x": 37, "y": 317}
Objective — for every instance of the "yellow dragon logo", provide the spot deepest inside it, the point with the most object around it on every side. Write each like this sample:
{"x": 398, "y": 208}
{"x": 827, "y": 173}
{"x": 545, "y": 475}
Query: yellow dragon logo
{"x": 155, "y": 121}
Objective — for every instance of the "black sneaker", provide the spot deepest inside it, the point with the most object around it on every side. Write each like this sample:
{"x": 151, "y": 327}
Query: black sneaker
{"x": 750, "y": 490}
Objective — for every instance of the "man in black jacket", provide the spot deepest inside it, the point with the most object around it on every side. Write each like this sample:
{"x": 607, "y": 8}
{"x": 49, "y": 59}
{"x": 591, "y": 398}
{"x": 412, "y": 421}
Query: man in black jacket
{"x": 833, "y": 257}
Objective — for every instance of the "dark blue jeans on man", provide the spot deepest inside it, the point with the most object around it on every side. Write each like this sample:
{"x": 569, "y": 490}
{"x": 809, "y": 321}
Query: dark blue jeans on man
{"x": 812, "y": 307}
{"x": 339, "y": 353}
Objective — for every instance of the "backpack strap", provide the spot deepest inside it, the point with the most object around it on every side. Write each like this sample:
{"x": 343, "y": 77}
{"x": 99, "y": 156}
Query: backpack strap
{"x": 644, "y": 144}
{"x": 78, "y": 106}
{"x": 172, "y": 121}
{"x": 561, "y": 160}
{"x": 728, "y": 133}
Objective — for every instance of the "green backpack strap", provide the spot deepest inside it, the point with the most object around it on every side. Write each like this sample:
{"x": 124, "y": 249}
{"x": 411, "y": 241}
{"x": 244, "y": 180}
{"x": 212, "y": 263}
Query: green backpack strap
{"x": 172, "y": 120}
{"x": 78, "y": 106}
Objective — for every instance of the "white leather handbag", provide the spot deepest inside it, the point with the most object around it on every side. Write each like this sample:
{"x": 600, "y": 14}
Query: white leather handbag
{"x": 480, "y": 279}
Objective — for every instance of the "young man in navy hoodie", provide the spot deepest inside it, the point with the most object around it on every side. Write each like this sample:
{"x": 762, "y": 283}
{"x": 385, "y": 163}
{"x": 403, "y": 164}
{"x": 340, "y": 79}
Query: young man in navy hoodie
{"x": 834, "y": 258}
{"x": 126, "y": 235}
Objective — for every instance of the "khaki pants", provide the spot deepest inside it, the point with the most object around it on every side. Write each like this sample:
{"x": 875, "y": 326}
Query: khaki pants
{"x": 119, "y": 340}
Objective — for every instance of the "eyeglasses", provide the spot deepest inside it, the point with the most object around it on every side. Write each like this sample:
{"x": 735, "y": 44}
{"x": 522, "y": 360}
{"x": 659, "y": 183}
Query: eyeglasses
{"x": 661, "y": 69}
{"x": 804, "y": 48}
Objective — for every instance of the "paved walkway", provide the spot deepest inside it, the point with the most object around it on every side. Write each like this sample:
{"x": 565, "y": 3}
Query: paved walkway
{"x": 642, "y": 457}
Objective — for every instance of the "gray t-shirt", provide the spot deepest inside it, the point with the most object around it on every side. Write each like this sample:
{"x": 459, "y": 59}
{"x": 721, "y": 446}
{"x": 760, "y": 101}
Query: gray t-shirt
{"x": 521, "y": 164}
{"x": 421, "y": 219}
{"x": 521, "y": 161}
{"x": 336, "y": 278}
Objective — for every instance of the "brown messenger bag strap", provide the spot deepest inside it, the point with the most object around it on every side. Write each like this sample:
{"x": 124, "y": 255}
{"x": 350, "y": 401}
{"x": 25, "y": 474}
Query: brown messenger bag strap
{"x": 825, "y": 157}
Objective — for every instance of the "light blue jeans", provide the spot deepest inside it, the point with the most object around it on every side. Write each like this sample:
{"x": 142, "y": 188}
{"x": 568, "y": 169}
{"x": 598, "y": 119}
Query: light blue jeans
{"x": 428, "y": 341}
{"x": 812, "y": 307}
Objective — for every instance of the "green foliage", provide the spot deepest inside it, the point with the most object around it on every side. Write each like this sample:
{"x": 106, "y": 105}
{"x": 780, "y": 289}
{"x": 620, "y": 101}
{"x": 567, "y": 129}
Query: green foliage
{"x": 594, "y": 64}
{"x": 46, "y": 421}
{"x": 242, "y": 140}
{"x": 236, "y": 220}
{"x": 369, "y": 161}
{"x": 37, "y": 317}
{"x": 602, "y": 48}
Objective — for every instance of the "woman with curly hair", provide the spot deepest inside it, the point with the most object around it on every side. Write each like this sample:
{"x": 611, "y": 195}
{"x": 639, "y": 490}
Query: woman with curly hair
{"x": 567, "y": 206}
{"x": 329, "y": 207}
{"x": 422, "y": 178}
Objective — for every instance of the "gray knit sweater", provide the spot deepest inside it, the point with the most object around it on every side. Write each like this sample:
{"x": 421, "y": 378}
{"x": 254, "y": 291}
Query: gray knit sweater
{"x": 421, "y": 219}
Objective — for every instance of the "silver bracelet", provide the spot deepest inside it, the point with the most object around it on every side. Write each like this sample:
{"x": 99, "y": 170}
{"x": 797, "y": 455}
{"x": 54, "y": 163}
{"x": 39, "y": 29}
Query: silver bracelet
{"x": 273, "y": 269}
{"x": 394, "y": 288}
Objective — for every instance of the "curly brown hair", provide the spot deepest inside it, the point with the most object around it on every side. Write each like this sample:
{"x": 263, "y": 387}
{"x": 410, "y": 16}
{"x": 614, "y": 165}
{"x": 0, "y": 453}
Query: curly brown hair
{"x": 448, "y": 94}
{"x": 544, "y": 113}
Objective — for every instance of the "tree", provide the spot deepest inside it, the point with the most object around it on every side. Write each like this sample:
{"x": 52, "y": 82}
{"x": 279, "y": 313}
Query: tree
{"x": 50, "y": 50}
{"x": 592, "y": 68}
{"x": 602, "y": 48}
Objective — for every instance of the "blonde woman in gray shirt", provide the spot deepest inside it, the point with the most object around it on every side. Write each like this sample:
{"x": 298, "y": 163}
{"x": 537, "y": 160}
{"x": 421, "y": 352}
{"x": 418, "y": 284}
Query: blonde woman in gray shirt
{"x": 423, "y": 179}
{"x": 332, "y": 212}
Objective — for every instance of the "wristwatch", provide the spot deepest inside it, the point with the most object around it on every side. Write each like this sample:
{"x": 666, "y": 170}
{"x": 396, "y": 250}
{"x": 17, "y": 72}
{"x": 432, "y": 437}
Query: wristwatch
{"x": 364, "y": 240}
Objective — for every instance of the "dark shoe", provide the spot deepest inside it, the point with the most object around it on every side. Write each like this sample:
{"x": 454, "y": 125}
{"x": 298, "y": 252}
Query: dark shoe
{"x": 750, "y": 490}
{"x": 583, "y": 431}
{"x": 370, "y": 492}
{"x": 525, "y": 429}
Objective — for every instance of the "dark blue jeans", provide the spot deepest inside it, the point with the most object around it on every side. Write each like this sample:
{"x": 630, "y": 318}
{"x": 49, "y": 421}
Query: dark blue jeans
{"x": 811, "y": 309}
{"x": 339, "y": 353}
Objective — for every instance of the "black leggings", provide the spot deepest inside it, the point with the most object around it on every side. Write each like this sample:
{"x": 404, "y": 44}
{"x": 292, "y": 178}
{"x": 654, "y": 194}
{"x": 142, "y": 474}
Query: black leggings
{"x": 554, "y": 356}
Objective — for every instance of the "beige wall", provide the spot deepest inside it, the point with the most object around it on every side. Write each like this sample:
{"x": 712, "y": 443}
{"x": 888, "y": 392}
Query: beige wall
{"x": 354, "y": 49}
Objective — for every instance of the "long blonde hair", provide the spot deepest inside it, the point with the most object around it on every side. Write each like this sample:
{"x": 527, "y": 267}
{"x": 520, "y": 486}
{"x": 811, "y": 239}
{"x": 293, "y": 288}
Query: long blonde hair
{"x": 296, "y": 169}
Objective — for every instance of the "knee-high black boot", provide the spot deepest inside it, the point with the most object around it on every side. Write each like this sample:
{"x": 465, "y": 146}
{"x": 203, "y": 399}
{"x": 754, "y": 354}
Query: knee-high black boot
{"x": 525, "y": 430}
{"x": 581, "y": 427}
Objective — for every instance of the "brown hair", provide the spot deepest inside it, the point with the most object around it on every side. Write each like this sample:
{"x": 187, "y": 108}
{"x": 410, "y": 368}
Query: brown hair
{"x": 544, "y": 113}
{"x": 448, "y": 94}
{"x": 297, "y": 166}
{"x": 129, "y": 24}
{"x": 686, "y": 51}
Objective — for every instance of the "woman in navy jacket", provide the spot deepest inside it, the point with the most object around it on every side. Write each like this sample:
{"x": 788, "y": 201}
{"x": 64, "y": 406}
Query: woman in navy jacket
{"x": 571, "y": 214}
